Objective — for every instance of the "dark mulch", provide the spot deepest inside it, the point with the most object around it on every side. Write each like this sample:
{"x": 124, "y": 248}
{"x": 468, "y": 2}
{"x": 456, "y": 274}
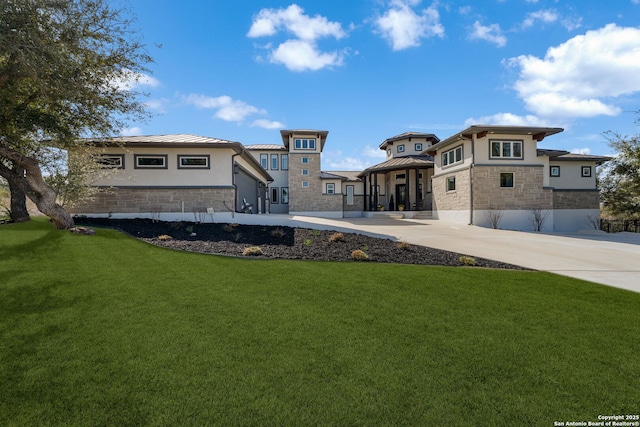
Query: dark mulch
{"x": 282, "y": 242}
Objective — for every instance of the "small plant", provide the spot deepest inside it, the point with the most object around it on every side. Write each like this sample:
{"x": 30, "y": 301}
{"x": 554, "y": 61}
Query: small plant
{"x": 364, "y": 248}
{"x": 359, "y": 255}
{"x": 539, "y": 218}
{"x": 593, "y": 221}
{"x": 467, "y": 260}
{"x": 189, "y": 229}
{"x": 164, "y": 237}
{"x": 229, "y": 227}
{"x": 494, "y": 216}
{"x": 199, "y": 216}
{"x": 336, "y": 237}
{"x": 308, "y": 242}
{"x": 402, "y": 246}
{"x": 176, "y": 225}
{"x": 278, "y": 233}
{"x": 252, "y": 251}
{"x": 155, "y": 214}
{"x": 236, "y": 237}
{"x": 315, "y": 232}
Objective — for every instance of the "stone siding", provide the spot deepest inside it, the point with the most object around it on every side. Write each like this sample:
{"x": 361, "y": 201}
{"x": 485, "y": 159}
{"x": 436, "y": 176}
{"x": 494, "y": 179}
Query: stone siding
{"x": 526, "y": 194}
{"x": 136, "y": 200}
{"x": 576, "y": 199}
{"x": 451, "y": 200}
{"x": 358, "y": 204}
{"x": 309, "y": 199}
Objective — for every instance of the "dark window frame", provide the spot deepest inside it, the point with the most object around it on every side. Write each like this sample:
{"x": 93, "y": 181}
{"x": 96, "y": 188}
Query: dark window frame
{"x": 137, "y": 157}
{"x": 207, "y": 157}
{"x": 109, "y": 165}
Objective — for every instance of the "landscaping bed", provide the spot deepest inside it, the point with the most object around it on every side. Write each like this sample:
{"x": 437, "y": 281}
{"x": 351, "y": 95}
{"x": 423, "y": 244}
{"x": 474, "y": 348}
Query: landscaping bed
{"x": 285, "y": 243}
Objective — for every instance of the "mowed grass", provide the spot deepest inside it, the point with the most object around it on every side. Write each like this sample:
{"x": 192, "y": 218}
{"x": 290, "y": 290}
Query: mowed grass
{"x": 106, "y": 330}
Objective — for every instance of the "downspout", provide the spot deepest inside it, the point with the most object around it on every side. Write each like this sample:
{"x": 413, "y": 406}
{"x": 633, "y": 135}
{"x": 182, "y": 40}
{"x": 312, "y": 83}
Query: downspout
{"x": 470, "y": 176}
{"x": 233, "y": 179}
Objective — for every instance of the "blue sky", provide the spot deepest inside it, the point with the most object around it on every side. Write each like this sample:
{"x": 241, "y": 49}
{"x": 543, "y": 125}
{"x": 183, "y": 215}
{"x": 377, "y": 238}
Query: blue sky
{"x": 366, "y": 70}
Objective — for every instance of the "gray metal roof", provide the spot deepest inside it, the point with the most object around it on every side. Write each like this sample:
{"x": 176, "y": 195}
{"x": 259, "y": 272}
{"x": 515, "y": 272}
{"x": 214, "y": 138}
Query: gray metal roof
{"x": 181, "y": 138}
{"x": 342, "y": 175}
{"x": 575, "y": 157}
{"x": 256, "y": 147}
{"x": 400, "y": 163}
{"x": 407, "y": 135}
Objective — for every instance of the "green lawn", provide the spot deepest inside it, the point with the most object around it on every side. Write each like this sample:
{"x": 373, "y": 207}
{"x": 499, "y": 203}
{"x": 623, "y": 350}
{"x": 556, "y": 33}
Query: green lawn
{"x": 106, "y": 330}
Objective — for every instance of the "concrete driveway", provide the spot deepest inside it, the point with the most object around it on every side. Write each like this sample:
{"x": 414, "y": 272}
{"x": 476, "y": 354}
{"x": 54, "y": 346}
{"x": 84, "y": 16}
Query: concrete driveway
{"x": 609, "y": 259}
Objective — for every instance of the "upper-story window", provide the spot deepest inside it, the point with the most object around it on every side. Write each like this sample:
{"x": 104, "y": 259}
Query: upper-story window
{"x": 506, "y": 149}
{"x": 418, "y": 147}
{"x": 305, "y": 172}
{"x": 193, "y": 162}
{"x": 305, "y": 144}
{"x": 274, "y": 162}
{"x": 264, "y": 161}
{"x": 400, "y": 148}
{"x": 305, "y": 160}
{"x": 452, "y": 156}
{"x": 331, "y": 188}
{"x": 284, "y": 162}
{"x": 388, "y": 151}
{"x": 147, "y": 161}
{"x": 111, "y": 161}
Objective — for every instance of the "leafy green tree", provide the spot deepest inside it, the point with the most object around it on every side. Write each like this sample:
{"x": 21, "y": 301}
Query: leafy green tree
{"x": 67, "y": 68}
{"x": 620, "y": 181}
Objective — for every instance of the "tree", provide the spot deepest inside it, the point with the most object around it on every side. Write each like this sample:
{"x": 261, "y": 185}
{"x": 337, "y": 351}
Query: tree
{"x": 620, "y": 182}
{"x": 67, "y": 69}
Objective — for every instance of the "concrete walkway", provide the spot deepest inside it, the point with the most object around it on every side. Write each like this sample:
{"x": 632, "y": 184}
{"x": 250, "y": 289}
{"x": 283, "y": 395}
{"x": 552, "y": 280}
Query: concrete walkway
{"x": 609, "y": 259}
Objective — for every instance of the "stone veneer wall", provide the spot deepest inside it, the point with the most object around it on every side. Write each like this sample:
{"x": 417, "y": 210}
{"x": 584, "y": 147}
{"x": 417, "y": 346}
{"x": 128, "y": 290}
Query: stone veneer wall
{"x": 526, "y": 194}
{"x": 135, "y": 200}
{"x": 358, "y": 204}
{"x": 451, "y": 200}
{"x": 576, "y": 199}
{"x": 309, "y": 199}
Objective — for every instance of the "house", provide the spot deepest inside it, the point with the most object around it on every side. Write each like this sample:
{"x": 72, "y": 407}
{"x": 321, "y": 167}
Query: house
{"x": 491, "y": 176}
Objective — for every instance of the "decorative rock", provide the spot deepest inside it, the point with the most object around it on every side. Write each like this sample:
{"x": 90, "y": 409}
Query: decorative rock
{"x": 83, "y": 230}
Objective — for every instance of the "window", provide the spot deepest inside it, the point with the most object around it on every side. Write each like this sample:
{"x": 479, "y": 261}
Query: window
{"x": 451, "y": 183}
{"x": 285, "y": 195}
{"x": 305, "y": 184}
{"x": 388, "y": 151}
{"x": 111, "y": 161}
{"x": 284, "y": 162}
{"x": 586, "y": 171}
{"x": 506, "y": 149}
{"x": 193, "y": 162}
{"x": 452, "y": 156}
{"x": 350, "y": 191}
{"x": 331, "y": 188}
{"x": 305, "y": 144}
{"x": 506, "y": 179}
{"x": 305, "y": 160}
{"x": 305, "y": 172}
{"x": 420, "y": 196}
{"x": 274, "y": 195}
{"x": 274, "y": 162}
{"x": 158, "y": 161}
{"x": 264, "y": 161}
{"x": 418, "y": 147}
{"x": 401, "y": 148}
{"x": 554, "y": 171}
{"x": 400, "y": 176}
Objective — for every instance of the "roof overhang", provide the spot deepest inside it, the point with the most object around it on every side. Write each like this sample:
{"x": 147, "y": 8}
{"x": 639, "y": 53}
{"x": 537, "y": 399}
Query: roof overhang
{"x": 309, "y": 133}
{"x": 408, "y": 135}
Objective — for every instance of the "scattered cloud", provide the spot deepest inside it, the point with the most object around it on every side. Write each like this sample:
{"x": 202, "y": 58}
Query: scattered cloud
{"x": 572, "y": 24}
{"x": 585, "y": 150}
{"x": 157, "y": 104}
{"x": 490, "y": 33}
{"x": 374, "y": 152}
{"x": 545, "y": 16}
{"x": 300, "y": 53}
{"x": 227, "y": 108}
{"x": 130, "y": 80}
{"x": 509, "y": 119}
{"x": 403, "y": 27}
{"x": 583, "y": 76}
{"x": 267, "y": 124}
{"x": 134, "y": 131}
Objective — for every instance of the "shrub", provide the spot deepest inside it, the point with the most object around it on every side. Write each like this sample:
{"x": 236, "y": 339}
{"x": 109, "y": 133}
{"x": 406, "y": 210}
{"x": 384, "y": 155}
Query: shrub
{"x": 278, "y": 233}
{"x": 336, "y": 237}
{"x": 308, "y": 242}
{"x": 467, "y": 260}
{"x": 402, "y": 246}
{"x": 252, "y": 251}
{"x": 315, "y": 232}
{"x": 359, "y": 255}
{"x": 164, "y": 237}
{"x": 229, "y": 227}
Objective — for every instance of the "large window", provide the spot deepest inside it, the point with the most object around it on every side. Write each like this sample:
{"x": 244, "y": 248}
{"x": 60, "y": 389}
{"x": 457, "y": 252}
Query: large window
{"x": 284, "y": 162}
{"x": 331, "y": 188}
{"x": 451, "y": 183}
{"x": 147, "y": 161}
{"x": 193, "y": 162}
{"x": 274, "y": 162}
{"x": 506, "y": 149}
{"x": 305, "y": 144}
{"x": 264, "y": 161}
{"x": 506, "y": 179}
{"x": 452, "y": 156}
{"x": 111, "y": 161}
{"x": 350, "y": 194}
{"x": 275, "y": 191}
{"x": 285, "y": 195}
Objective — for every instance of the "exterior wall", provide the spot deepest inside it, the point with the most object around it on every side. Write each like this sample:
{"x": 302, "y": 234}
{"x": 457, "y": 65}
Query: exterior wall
{"x": 409, "y": 147}
{"x": 571, "y": 175}
{"x": 355, "y": 209}
{"x": 219, "y": 172}
{"x": 280, "y": 180}
{"x": 456, "y": 200}
{"x": 467, "y": 158}
{"x": 529, "y": 150}
{"x": 128, "y": 200}
{"x": 311, "y": 198}
{"x": 521, "y": 220}
{"x": 572, "y": 220}
{"x": 527, "y": 193}
{"x": 576, "y": 199}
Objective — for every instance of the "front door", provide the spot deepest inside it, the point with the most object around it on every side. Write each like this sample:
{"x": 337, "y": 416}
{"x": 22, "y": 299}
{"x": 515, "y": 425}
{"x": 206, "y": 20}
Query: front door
{"x": 401, "y": 194}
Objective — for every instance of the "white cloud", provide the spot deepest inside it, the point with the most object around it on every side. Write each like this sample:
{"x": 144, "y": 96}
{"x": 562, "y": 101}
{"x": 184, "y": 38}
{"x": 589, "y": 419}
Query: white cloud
{"x": 490, "y": 33}
{"x": 404, "y": 28}
{"x": 157, "y": 104}
{"x": 585, "y": 150}
{"x": 509, "y": 119}
{"x": 581, "y": 77}
{"x": 572, "y": 23}
{"x": 267, "y": 124}
{"x": 227, "y": 108}
{"x": 300, "y": 53}
{"x": 129, "y": 80}
{"x": 546, "y": 16}
{"x": 374, "y": 152}
{"x": 134, "y": 131}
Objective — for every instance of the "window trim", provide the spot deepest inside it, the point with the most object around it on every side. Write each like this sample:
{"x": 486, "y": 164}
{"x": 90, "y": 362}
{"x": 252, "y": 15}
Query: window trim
{"x": 284, "y": 162}
{"x": 275, "y": 191}
{"x": 137, "y": 157}
{"x": 445, "y": 155}
{"x": 331, "y": 185}
{"x": 305, "y": 184}
{"x": 586, "y": 169}
{"x": 513, "y": 180}
{"x": 418, "y": 146}
{"x": 305, "y": 172}
{"x": 105, "y": 165}
{"x": 351, "y": 191}
{"x": 502, "y": 143}
{"x": 276, "y": 163}
{"x": 304, "y": 144}
{"x": 451, "y": 180}
{"x": 554, "y": 171}
{"x": 400, "y": 148}
{"x": 264, "y": 161}
{"x": 305, "y": 160}
{"x": 207, "y": 158}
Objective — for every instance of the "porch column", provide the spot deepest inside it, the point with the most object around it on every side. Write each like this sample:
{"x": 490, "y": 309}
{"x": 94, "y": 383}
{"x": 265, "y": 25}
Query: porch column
{"x": 417, "y": 189}
{"x": 407, "y": 180}
{"x": 366, "y": 204}
{"x": 375, "y": 190}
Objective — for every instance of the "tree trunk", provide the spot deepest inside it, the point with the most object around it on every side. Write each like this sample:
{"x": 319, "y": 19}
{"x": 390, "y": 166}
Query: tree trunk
{"x": 32, "y": 184}
{"x": 19, "y": 212}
